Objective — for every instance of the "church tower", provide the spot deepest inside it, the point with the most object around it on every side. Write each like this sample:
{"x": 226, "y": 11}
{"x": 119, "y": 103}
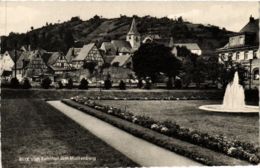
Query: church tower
{"x": 133, "y": 36}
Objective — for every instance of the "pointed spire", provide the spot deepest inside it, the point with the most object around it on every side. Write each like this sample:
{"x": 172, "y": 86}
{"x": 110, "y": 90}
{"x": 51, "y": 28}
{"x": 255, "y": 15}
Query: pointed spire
{"x": 133, "y": 29}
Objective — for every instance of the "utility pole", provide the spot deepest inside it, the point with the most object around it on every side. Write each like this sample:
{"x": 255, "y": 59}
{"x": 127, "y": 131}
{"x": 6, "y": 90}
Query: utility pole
{"x": 15, "y": 59}
{"x": 15, "y": 63}
{"x": 250, "y": 74}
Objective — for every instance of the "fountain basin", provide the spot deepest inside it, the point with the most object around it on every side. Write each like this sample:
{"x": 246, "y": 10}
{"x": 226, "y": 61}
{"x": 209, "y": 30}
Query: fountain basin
{"x": 219, "y": 108}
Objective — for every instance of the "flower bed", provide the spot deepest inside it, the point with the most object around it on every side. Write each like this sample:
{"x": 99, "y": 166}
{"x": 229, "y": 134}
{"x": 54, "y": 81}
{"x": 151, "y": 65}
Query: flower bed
{"x": 150, "y": 98}
{"x": 237, "y": 149}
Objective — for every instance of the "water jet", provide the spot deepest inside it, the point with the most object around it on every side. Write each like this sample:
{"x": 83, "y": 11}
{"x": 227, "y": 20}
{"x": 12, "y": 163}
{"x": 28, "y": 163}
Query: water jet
{"x": 233, "y": 101}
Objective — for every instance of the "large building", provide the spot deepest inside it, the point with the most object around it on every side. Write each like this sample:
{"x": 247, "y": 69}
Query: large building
{"x": 243, "y": 47}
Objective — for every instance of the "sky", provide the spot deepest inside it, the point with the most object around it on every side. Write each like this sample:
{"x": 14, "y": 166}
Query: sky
{"x": 20, "y": 16}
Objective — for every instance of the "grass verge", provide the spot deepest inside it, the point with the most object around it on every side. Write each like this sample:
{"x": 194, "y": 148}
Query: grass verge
{"x": 33, "y": 129}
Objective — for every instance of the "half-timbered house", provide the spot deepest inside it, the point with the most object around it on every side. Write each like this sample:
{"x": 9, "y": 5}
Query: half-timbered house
{"x": 89, "y": 53}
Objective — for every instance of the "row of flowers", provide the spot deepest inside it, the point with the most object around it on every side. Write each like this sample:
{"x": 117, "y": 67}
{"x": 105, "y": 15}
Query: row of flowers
{"x": 150, "y": 98}
{"x": 237, "y": 149}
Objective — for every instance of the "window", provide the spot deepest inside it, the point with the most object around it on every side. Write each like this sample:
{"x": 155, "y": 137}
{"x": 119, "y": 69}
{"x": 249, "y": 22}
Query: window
{"x": 254, "y": 54}
{"x": 256, "y": 74}
{"x": 229, "y": 56}
{"x": 246, "y": 55}
{"x": 241, "y": 40}
{"x": 237, "y": 56}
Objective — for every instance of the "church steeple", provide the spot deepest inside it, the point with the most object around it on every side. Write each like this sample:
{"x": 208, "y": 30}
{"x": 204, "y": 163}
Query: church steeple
{"x": 133, "y": 36}
{"x": 133, "y": 29}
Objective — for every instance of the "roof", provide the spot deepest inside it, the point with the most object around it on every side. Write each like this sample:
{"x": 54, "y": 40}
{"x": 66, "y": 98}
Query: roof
{"x": 133, "y": 29}
{"x": 23, "y": 59}
{"x": 46, "y": 56}
{"x": 121, "y": 59}
{"x": 120, "y": 44}
{"x": 164, "y": 41}
{"x": 72, "y": 53}
{"x": 27, "y": 56}
{"x": 109, "y": 59}
{"x": 189, "y": 46}
{"x": 53, "y": 58}
{"x": 84, "y": 52}
{"x": 252, "y": 26}
{"x": 12, "y": 54}
{"x": 108, "y": 47}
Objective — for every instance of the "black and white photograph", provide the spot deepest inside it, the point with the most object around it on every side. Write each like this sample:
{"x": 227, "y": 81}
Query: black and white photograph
{"x": 129, "y": 84}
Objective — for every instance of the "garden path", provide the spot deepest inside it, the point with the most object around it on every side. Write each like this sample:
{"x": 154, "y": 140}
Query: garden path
{"x": 139, "y": 150}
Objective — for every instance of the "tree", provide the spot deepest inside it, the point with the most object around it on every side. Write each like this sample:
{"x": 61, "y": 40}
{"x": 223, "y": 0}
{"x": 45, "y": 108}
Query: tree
{"x": 151, "y": 59}
{"x": 46, "y": 83}
{"x": 69, "y": 39}
{"x": 199, "y": 71}
{"x": 70, "y": 84}
{"x": 227, "y": 74}
{"x": 122, "y": 85}
{"x": 180, "y": 20}
{"x": 26, "y": 84}
{"x": 108, "y": 84}
{"x": 214, "y": 69}
{"x": 83, "y": 84}
{"x": 76, "y": 18}
{"x": 140, "y": 84}
{"x": 194, "y": 70}
{"x": 90, "y": 66}
{"x": 60, "y": 85}
{"x": 14, "y": 83}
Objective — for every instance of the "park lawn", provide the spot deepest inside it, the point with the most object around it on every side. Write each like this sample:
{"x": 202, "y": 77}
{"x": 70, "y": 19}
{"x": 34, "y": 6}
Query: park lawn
{"x": 32, "y": 128}
{"x": 243, "y": 127}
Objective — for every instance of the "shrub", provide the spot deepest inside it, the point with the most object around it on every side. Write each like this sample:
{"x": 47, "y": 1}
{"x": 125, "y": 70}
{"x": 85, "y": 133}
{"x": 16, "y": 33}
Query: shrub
{"x": 60, "y": 85}
{"x": 140, "y": 84}
{"x": 108, "y": 84}
{"x": 122, "y": 85}
{"x": 178, "y": 84}
{"x": 14, "y": 83}
{"x": 26, "y": 84}
{"x": 148, "y": 84}
{"x": 169, "y": 84}
{"x": 46, "y": 83}
{"x": 70, "y": 84}
{"x": 83, "y": 84}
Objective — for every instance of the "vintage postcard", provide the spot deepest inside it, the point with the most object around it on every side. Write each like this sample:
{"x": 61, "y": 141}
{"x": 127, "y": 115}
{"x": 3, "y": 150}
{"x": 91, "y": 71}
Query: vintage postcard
{"x": 129, "y": 84}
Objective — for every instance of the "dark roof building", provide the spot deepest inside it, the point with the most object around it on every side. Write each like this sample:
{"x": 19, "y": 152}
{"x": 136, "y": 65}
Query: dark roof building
{"x": 243, "y": 48}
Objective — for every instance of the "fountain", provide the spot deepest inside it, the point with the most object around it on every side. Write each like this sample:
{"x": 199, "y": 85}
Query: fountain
{"x": 234, "y": 100}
